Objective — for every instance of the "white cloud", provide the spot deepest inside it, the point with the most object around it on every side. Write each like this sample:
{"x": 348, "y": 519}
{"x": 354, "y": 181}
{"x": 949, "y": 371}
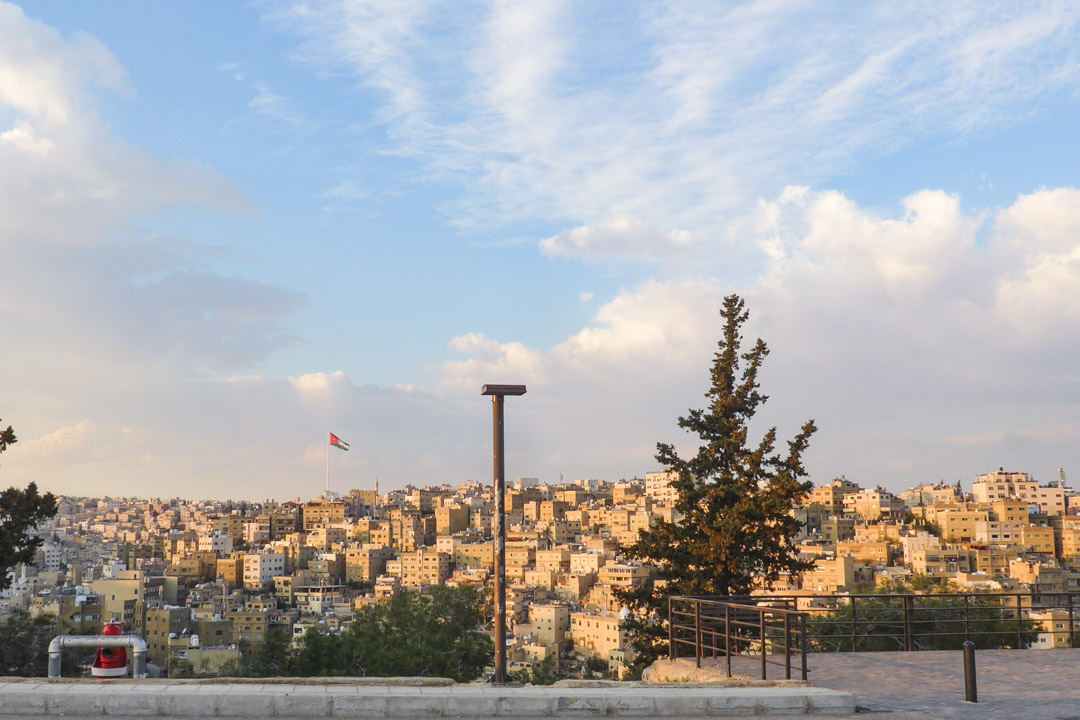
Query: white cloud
{"x": 620, "y": 238}
{"x": 679, "y": 113}
{"x": 106, "y": 324}
{"x": 888, "y": 329}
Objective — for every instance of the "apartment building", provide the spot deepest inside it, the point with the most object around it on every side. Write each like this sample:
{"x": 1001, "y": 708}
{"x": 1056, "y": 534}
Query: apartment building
{"x": 260, "y": 569}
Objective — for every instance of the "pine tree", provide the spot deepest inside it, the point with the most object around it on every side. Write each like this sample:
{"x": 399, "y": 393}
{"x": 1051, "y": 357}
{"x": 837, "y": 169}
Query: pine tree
{"x": 20, "y": 512}
{"x": 733, "y": 499}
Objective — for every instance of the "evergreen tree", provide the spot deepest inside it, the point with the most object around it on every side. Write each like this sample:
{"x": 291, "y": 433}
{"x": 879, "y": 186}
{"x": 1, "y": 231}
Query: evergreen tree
{"x": 20, "y": 512}
{"x": 734, "y": 499}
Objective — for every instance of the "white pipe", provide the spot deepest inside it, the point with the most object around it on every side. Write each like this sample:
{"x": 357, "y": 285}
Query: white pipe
{"x": 135, "y": 643}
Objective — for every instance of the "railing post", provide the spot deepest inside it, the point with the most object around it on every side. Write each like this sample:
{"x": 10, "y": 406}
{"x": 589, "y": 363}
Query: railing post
{"x": 787, "y": 646}
{"x": 763, "y": 649}
{"x": 803, "y": 620}
{"x": 909, "y": 605}
{"x": 670, "y": 631}
{"x": 1069, "y": 603}
{"x": 971, "y": 691}
{"x": 967, "y": 622}
{"x": 697, "y": 631}
{"x": 1019, "y": 625}
{"x": 727, "y": 638}
{"x": 854, "y": 635}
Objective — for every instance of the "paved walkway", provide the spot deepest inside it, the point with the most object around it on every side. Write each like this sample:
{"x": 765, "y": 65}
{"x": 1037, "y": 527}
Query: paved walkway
{"x": 1012, "y": 684}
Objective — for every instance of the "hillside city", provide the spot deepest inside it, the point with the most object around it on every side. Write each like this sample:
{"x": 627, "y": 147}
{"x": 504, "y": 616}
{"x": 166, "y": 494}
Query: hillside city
{"x": 203, "y": 582}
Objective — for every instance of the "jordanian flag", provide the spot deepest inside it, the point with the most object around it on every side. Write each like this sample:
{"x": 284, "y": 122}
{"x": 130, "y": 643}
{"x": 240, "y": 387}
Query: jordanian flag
{"x": 338, "y": 442}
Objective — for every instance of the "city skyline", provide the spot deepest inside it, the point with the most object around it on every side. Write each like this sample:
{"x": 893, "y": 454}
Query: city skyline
{"x": 226, "y": 231}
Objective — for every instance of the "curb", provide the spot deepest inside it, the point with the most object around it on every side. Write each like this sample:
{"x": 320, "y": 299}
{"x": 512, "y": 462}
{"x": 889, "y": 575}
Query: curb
{"x": 371, "y": 701}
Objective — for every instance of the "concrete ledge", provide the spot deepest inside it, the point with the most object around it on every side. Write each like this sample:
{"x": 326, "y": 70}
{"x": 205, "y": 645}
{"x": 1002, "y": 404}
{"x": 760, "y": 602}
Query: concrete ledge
{"x": 368, "y": 700}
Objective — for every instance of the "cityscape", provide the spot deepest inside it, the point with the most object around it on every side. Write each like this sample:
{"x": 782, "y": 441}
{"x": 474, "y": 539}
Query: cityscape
{"x": 347, "y": 346}
{"x": 204, "y": 582}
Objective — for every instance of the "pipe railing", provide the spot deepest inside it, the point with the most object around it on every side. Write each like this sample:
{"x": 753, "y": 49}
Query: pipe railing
{"x": 720, "y": 629}
{"x": 867, "y": 622}
{"x": 136, "y": 644}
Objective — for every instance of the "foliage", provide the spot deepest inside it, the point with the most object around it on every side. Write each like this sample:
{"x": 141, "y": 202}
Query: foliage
{"x": 20, "y": 512}
{"x": 543, "y": 674}
{"x": 734, "y": 498}
{"x": 180, "y": 668}
{"x": 435, "y": 635}
{"x": 271, "y": 658}
{"x": 935, "y": 622}
{"x": 24, "y": 646}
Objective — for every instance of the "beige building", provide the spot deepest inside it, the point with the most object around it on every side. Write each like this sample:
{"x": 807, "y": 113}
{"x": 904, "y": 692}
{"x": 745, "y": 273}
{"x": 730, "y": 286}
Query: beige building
{"x": 424, "y": 568}
{"x": 830, "y": 575}
{"x": 658, "y": 487}
{"x": 941, "y": 563}
{"x": 874, "y": 553}
{"x": 366, "y": 564}
{"x": 451, "y": 519}
{"x": 587, "y": 562}
{"x": 1053, "y": 626}
{"x": 260, "y": 568}
{"x": 832, "y": 495}
{"x": 998, "y": 533}
{"x": 874, "y": 504}
{"x": 1003, "y": 485}
{"x": 959, "y": 525}
{"x": 316, "y": 513}
{"x": 1037, "y": 538}
{"x": 596, "y": 635}
{"x": 550, "y": 623}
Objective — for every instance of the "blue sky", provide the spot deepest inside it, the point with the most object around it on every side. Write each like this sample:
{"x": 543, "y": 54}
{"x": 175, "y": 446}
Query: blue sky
{"x": 230, "y": 228}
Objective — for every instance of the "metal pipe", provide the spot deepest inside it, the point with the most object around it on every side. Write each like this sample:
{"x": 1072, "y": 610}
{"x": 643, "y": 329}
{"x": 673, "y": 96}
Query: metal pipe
{"x": 971, "y": 692}
{"x": 803, "y": 619}
{"x": 727, "y": 638}
{"x": 500, "y": 539}
{"x": 497, "y": 392}
{"x": 697, "y": 632}
{"x": 787, "y": 646}
{"x": 764, "y": 657}
{"x": 136, "y": 644}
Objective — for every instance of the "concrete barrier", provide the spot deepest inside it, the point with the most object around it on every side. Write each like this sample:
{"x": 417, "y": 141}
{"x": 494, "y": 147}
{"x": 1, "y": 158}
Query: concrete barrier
{"x": 365, "y": 700}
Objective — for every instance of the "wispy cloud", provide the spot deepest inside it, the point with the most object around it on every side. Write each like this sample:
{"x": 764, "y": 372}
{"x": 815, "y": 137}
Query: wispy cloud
{"x": 679, "y": 112}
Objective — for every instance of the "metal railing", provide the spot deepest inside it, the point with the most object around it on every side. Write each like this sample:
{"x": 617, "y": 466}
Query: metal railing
{"x": 848, "y": 623}
{"x": 725, "y": 629}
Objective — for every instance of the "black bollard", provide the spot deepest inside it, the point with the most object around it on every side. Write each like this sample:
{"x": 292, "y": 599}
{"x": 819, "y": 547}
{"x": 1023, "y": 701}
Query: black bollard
{"x": 971, "y": 692}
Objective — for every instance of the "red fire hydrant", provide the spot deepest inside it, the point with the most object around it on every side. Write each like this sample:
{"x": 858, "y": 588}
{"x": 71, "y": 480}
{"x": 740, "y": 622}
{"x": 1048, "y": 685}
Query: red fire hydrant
{"x": 110, "y": 662}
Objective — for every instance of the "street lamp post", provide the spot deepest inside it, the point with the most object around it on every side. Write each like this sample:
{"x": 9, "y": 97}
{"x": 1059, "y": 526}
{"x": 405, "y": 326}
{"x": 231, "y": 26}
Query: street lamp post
{"x": 497, "y": 393}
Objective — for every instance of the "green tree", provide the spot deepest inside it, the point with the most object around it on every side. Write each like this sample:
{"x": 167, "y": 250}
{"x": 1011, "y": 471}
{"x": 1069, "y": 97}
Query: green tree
{"x": 436, "y": 635}
{"x": 543, "y": 674}
{"x": 24, "y": 646}
{"x": 273, "y": 657}
{"x": 20, "y": 512}
{"x": 734, "y": 498}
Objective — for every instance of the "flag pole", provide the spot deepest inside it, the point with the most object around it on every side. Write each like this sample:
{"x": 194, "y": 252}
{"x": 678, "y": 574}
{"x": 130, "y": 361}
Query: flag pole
{"x": 327, "y": 464}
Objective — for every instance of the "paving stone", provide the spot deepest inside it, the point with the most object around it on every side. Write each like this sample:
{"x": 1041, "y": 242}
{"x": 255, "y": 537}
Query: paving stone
{"x": 75, "y": 703}
{"x": 356, "y": 705}
{"x": 15, "y": 700}
{"x": 188, "y": 704}
{"x": 292, "y": 704}
{"x": 126, "y": 703}
{"x": 245, "y": 704}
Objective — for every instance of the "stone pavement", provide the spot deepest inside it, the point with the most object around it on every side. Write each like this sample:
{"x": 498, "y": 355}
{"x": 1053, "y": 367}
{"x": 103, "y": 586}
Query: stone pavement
{"x": 1012, "y": 684}
{"x": 366, "y": 700}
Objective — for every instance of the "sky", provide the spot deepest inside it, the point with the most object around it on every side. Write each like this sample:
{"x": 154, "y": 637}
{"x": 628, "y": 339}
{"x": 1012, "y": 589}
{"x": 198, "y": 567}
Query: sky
{"x": 228, "y": 229}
